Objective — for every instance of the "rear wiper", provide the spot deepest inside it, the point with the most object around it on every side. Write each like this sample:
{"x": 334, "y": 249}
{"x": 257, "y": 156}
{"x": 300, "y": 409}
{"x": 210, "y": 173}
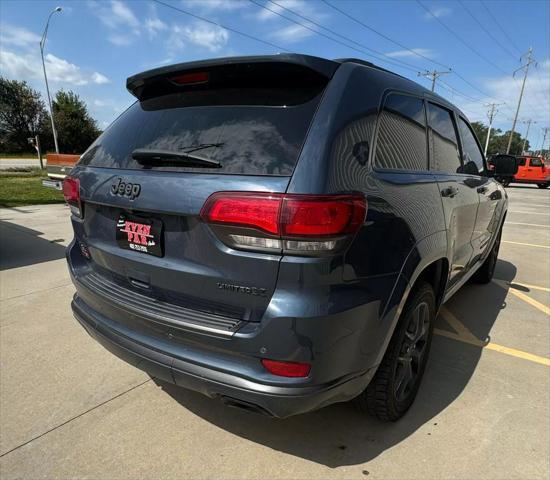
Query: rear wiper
{"x": 145, "y": 155}
{"x": 202, "y": 146}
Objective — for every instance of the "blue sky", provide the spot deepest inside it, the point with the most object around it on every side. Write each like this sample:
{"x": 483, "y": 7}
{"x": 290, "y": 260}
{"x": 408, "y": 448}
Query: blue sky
{"x": 93, "y": 46}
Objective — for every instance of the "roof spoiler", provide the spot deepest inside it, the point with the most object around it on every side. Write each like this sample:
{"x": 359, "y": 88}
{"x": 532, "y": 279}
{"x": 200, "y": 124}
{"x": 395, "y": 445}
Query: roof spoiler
{"x": 160, "y": 81}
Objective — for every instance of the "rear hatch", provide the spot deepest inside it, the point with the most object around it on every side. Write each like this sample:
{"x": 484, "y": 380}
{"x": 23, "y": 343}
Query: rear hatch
{"x": 234, "y": 126}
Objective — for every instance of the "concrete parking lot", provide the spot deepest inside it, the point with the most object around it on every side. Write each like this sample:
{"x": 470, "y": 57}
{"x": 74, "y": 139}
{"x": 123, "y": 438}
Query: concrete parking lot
{"x": 68, "y": 408}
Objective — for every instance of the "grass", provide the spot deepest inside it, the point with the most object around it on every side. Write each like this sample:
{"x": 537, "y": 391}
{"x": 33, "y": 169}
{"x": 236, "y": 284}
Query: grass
{"x": 23, "y": 186}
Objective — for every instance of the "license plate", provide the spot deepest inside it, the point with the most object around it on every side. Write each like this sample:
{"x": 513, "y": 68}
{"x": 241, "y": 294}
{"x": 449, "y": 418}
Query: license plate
{"x": 139, "y": 234}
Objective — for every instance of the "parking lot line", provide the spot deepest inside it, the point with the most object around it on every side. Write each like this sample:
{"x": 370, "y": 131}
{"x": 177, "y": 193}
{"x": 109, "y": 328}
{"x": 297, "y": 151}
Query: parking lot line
{"x": 528, "y": 213}
{"x": 526, "y": 244}
{"x": 528, "y": 224}
{"x": 534, "y": 204}
{"x": 463, "y": 334}
{"x": 522, "y": 296}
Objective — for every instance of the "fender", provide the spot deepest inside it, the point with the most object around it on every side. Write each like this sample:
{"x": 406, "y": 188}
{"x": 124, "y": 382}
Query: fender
{"x": 426, "y": 251}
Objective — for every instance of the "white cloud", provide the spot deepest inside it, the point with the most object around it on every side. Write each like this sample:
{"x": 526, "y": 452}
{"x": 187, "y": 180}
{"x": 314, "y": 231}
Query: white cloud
{"x": 154, "y": 25}
{"x": 292, "y": 33}
{"x": 118, "y": 17}
{"x": 28, "y": 67}
{"x": 115, "y": 15}
{"x": 219, "y": 5}
{"x": 120, "y": 40}
{"x": 438, "y": 12}
{"x": 535, "y": 104}
{"x": 412, "y": 53}
{"x": 286, "y": 31}
{"x": 203, "y": 35}
{"x": 99, "y": 78}
{"x": 17, "y": 36}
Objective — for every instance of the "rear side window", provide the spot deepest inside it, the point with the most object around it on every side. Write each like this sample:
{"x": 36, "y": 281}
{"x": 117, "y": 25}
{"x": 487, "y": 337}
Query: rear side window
{"x": 401, "y": 142}
{"x": 471, "y": 154}
{"x": 254, "y": 137}
{"x": 443, "y": 141}
{"x": 535, "y": 162}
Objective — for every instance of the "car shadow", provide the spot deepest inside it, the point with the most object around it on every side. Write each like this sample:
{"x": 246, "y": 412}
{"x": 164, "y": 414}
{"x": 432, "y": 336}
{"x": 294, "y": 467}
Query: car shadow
{"x": 339, "y": 435}
{"x": 22, "y": 246}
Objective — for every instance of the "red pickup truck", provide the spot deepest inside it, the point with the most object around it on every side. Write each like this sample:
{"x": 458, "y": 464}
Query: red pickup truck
{"x": 532, "y": 169}
{"x": 58, "y": 166}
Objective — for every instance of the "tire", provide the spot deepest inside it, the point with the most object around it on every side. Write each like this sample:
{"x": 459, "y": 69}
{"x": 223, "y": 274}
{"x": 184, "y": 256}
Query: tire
{"x": 487, "y": 270}
{"x": 542, "y": 185}
{"x": 387, "y": 397}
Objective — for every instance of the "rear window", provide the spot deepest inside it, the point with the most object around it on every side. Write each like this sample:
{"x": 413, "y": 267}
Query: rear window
{"x": 254, "y": 138}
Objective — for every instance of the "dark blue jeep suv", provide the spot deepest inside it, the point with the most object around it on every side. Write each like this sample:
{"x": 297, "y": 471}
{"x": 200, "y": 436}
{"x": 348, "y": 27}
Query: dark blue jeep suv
{"x": 279, "y": 231}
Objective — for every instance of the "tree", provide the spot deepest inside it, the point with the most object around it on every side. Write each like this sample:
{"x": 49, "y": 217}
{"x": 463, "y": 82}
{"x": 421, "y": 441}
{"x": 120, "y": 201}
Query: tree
{"x": 499, "y": 141}
{"x": 22, "y": 114}
{"x": 76, "y": 129}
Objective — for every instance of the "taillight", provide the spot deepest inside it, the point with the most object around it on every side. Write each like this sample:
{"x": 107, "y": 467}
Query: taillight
{"x": 295, "y": 224}
{"x": 71, "y": 192}
{"x": 286, "y": 369}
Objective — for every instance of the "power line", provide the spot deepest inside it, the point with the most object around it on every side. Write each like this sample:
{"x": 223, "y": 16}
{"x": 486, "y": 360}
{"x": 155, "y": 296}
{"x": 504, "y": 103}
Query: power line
{"x": 496, "y": 40}
{"x": 500, "y": 27}
{"x": 395, "y": 42}
{"x": 460, "y": 39}
{"x": 238, "y": 32}
{"x": 362, "y": 50}
{"x": 391, "y": 61}
{"x": 399, "y": 44}
{"x": 458, "y": 92}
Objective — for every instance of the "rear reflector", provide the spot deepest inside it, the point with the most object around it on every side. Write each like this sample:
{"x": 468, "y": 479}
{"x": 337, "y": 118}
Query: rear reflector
{"x": 71, "y": 193}
{"x": 286, "y": 369}
{"x": 191, "y": 78}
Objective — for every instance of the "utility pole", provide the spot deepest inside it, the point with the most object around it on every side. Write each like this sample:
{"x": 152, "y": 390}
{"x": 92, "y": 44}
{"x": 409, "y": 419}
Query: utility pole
{"x": 545, "y": 130}
{"x": 434, "y": 75}
{"x": 530, "y": 60}
{"x": 491, "y": 115}
{"x": 42, "y": 43}
{"x": 528, "y": 122}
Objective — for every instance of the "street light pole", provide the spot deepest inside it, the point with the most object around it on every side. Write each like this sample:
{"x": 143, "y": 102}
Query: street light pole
{"x": 42, "y": 43}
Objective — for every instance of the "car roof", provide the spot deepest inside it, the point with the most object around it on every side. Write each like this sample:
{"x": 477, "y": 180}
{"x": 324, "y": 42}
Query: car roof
{"x": 323, "y": 66}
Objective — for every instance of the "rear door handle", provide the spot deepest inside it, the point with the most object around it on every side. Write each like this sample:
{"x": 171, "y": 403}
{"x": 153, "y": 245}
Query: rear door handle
{"x": 449, "y": 192}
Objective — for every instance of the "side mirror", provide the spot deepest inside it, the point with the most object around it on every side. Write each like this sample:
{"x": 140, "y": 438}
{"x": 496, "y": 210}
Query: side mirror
{"x": 504, "y": 165}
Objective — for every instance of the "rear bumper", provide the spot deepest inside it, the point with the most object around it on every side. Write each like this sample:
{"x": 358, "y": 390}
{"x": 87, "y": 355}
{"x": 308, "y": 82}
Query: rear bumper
{"x": 275, "y": 400}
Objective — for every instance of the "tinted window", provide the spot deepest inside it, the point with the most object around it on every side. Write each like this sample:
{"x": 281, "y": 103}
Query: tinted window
{"x": 401, "y": 142}
{"x": 245, "y": 139}
{"x": 443, "y": 142}
{"x": 472, "y": 158}
{"x": 521, "y": 162}
{"x": 535, "y": 162}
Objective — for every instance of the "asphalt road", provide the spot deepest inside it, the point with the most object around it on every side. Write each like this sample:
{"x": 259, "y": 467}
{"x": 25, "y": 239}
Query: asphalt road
{"x": 68, "y": 408}
{"x": 6, "y": 163}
